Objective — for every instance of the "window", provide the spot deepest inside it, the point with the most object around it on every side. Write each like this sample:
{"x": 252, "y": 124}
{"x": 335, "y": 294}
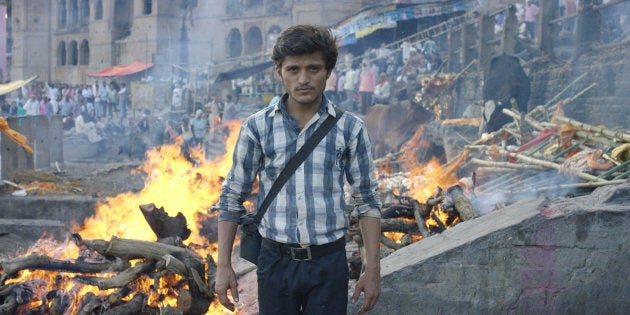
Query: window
{"x": 61, "y": 54}
{"x": 98, "y": 14}
{"x": 73, "y": 53}
{"x": 61, "y": 15}
{"x": 234, "y": 43}
{"x": 148, "y": 7}
{"x": 84, "y": 17}
{"x": 84, "y": 53}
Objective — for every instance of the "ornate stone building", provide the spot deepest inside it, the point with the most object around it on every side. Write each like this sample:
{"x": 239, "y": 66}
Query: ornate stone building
{"x": 64, "y": 40}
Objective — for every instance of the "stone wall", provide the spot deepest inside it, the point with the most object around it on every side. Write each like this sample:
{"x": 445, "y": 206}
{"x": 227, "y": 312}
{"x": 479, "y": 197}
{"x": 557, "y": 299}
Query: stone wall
{"x": 605, "y": 104}
{"x": 565, "y": 256}
{"x": 607, "y": 66}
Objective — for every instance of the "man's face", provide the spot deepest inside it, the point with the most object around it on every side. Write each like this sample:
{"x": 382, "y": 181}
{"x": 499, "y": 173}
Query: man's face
{"x": 304, "y": 78}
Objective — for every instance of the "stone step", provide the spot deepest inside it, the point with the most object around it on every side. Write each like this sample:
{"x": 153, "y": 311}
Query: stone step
{"x": 62, "y": 208}
{"x": 33, "y": 229}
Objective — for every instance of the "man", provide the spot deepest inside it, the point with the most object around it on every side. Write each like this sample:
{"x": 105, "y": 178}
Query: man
{"x": 531, "y": 14}
{"x": 308, "y": 210}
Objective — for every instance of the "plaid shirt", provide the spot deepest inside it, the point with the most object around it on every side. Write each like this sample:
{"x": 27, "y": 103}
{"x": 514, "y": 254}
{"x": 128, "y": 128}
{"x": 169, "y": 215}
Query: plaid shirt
{"x": 309, "y": 209}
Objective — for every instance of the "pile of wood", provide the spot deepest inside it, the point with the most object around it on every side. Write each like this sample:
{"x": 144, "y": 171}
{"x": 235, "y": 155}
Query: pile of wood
{"x": 543, "y": 151}
{"x": 116, "y": 266}
{"x": 405, "y": 220}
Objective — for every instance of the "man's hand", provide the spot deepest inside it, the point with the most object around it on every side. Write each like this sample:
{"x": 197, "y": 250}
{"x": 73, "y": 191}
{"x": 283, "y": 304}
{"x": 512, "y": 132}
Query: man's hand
{"x": 370, "y": 284}
{"x": 226, "y": 279}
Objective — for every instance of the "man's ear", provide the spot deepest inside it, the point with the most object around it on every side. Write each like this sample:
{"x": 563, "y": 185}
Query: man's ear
{"x": 278, "y": 71}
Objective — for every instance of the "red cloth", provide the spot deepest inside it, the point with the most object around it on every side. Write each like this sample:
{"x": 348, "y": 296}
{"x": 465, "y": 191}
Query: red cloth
{"x": 544, "y": 135}
{"x": 119, "y": 71}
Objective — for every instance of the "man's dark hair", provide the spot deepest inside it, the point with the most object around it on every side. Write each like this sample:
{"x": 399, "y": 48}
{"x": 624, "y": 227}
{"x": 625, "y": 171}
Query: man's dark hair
{"x": 303, "y": 40}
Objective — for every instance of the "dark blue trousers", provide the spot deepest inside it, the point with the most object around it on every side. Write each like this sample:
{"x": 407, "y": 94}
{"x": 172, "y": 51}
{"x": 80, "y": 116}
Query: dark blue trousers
{"x": 287, "y": 286}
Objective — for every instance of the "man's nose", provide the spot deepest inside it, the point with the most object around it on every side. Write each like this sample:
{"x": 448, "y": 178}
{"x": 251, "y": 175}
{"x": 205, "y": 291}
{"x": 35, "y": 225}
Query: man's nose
{"x": 303, "y": 76}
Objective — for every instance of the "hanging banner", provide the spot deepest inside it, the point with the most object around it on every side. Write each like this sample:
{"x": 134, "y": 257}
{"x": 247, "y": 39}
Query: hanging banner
{"x": 381, "y": 17}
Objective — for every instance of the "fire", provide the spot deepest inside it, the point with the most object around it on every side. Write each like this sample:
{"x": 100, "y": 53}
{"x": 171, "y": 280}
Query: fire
{"x": 424, "y": 180}
{"x": 173, "y": 183}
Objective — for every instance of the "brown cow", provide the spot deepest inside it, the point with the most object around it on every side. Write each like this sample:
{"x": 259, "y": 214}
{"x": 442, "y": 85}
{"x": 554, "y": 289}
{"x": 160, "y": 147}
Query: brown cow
{"x": 390, "y": 126}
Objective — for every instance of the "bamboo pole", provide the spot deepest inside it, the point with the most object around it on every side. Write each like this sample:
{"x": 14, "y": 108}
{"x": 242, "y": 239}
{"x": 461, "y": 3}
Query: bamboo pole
{"x": 622, "y": 135}
{"x": 574, "y": 185}
{"x": 548, "y": 164}
{"x": 557, "y": 96}
{"x": 528, "y": 119}
{"x": 505, "y": 164}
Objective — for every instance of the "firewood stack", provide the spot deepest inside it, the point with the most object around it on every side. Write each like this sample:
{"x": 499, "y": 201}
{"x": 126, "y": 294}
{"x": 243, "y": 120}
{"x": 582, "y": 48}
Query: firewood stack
{"x": 545, "y": 152}
{"x": 189, "y": 274}
{"x": 414, "y": 220}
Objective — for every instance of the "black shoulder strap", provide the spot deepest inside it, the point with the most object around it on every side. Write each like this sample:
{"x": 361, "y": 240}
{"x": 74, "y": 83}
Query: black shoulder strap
{"x": 299, "y": 157}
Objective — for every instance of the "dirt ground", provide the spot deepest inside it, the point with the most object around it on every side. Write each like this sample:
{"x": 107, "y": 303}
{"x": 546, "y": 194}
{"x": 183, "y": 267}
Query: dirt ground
{"x": 94, "y": 179}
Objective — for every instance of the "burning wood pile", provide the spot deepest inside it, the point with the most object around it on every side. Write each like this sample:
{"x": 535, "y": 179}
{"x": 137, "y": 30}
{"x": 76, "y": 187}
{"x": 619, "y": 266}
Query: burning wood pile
{"x": 541, "y": 151}
{"x": 126, "y": 271}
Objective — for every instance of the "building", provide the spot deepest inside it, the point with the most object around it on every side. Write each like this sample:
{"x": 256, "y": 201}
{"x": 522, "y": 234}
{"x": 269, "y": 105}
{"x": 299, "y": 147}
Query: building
{"x": 63, "y": 40}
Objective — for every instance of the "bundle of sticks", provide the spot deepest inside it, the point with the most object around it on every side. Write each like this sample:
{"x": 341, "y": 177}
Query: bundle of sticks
{"x": 188, "y": 273}
{"x": 551, "y": 153}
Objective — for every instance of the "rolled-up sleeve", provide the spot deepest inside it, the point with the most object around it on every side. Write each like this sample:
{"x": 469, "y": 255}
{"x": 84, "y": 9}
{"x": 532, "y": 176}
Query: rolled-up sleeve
{"x": 240, "y": 179}
{"x": 361, "y": 176}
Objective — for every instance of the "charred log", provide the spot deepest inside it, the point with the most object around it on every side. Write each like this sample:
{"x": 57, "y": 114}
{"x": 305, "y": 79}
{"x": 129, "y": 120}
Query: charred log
{"x": 397, "y": 211}
{"x": 460, "y": 203}
{"x": 40, "y": 262}
{"x": 134, "y": 306}
{"x": 164, "y": 225}
{"x": 395, "y": 225}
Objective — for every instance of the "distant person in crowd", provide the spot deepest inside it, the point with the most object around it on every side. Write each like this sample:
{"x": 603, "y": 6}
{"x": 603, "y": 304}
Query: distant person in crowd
{"x": 230, "y": 109}
{"x": 367, "y": 83}
{"x": 177, "y": 96}
{"x": 51, "y": 91}
{"x": 531, "y": 15}
{"x": 112, "y": 98}
{"x": 66, "y": 106}
{"x": 48, "y": 107}
{"x": 382, "y": 91}
{"x": 124, "y": 99}
{"x": 382, "y": 55}
{"x": 341, "y": 94}
{"x": 20, "y": 112}
{"x": 429, "y": 47}
{"x": 100, "y": 102}
{"x": 330, "y": 90}
{"x": 144, "y": 124}
{"x": 350, "y": 87}
{"x": 31, "y": 107}
{"x": 198, "y": 126}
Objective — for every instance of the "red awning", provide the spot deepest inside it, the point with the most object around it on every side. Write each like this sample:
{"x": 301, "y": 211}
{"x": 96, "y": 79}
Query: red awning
{"x": 119, "y": 71}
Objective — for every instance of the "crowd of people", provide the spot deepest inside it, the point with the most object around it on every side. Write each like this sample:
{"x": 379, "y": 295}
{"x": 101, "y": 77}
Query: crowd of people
{"x": 383, "y": 75}
{"x": 103, "y": 109}
{"x": 101, "y": 103}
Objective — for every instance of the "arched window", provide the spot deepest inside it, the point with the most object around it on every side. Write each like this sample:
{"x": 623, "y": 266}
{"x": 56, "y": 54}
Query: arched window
{"x": 62, "y": 20}
{"x": 84, "y": 53}
{"x": 251, "y": 4}
{"x": 84, "y": 17}
{"x": 272, "y": 34}
{"x": 234, "y": 43}
{"x": 98, "y": 11}
{"x": 61, "y": 54}
{"x": 73, "y": 53}
{"x": 253, "y": 41}
{"x": 74, "y": 14}
{"x": 147, "y": 7}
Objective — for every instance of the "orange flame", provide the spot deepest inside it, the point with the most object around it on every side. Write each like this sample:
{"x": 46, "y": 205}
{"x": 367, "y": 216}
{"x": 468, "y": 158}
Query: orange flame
{"x": 172, "y": 182}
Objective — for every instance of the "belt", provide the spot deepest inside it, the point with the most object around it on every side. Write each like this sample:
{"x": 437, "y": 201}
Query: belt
{"x": 296, "y": 252}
